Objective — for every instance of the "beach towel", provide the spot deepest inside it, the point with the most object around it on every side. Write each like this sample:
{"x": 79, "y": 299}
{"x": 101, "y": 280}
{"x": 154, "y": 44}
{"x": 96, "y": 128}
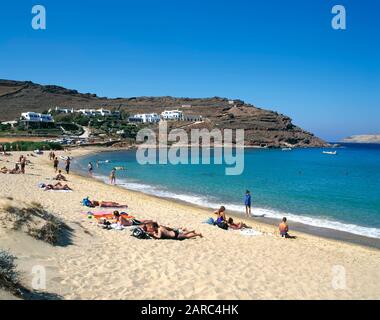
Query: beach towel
{"x": 250, "y": 232}
{"x": 103, "y": 214}
{"x": 210, "y": 221}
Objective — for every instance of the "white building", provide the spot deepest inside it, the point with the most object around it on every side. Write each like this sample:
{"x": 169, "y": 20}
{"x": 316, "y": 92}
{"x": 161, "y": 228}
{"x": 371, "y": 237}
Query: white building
{"x": 99, "y": 112}
{"x": 87, "y": 112}
{"x": 63, "y": 110}
{"x": 146, "y": 117}
{"x": 104, "y": 112}
{"x": 36, "y": 117}
{"x": 172, "y": 115}
{"x": 10, "y": 123}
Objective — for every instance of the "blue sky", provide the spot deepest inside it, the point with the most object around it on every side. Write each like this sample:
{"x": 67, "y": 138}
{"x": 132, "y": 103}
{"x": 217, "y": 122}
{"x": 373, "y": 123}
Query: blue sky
{"x": 275, "y": 54}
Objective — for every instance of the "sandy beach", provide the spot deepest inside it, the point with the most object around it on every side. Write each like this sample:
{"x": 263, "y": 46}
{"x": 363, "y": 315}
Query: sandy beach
{"x": 109, "y": 264}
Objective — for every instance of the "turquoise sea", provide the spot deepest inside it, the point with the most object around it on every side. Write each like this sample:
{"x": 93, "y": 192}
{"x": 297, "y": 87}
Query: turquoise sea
{"x": 339, "y": 192}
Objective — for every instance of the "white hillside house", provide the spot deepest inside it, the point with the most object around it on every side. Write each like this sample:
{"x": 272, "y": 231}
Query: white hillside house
{"x": 146, "y": 118}
{"x": 172, "y": 115}
{"x": 36, "y": 117}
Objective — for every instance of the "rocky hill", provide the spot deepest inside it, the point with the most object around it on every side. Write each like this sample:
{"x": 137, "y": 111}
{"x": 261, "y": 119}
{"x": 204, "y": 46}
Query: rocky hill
{"x": 262, "y": 127}
{"x": 363, "y": 138}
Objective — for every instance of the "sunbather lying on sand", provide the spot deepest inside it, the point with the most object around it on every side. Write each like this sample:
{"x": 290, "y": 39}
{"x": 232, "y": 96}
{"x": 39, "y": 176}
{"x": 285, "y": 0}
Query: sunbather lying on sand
{"x": 4, "y": 170}
{"x": 111, "y": 204}
{"x": 57, "y": 186}
{"x": 123, "y": 221}
{"x": 237, "y": 226}
{"x": 105, "y": 204}
{"x": 161, "y": 232}
{"x": 15, "y": 170}
{"x": 60, "y": 176}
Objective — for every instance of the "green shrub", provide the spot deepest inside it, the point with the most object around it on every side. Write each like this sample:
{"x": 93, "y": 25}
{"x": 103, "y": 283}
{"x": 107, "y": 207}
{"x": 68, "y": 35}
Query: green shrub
{"x": 30, "y": 146}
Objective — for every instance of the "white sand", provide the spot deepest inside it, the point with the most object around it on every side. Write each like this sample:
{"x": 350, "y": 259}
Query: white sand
{"x": 101, "y": 264}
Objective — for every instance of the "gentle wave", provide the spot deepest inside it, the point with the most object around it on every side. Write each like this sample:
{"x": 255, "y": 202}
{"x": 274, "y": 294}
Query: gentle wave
{"x": 268, "y": 213}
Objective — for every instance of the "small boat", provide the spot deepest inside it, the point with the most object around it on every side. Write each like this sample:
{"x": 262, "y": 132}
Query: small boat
{"x": 286, "y": 149}
{"x": 65, "y": 158}
{"x": 330, "y": 152}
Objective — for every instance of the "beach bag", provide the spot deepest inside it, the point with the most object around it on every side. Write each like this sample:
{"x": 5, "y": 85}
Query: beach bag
{"x": 87, "y": 203}
{"x": 140, "y": 234}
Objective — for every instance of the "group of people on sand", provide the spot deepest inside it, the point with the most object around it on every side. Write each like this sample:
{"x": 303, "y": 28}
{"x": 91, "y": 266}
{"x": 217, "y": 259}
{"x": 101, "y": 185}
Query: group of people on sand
{"x": 56, "y": 163}
{"x": 19, "y": 167}
{"x": 60, "y": 177}
{"x": 151, "y": 228}
{"x": 90, "y": 169}
{"x": 225, "y": 223}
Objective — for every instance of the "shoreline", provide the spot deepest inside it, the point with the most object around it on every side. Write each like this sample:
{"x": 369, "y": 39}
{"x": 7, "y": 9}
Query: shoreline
{"x": 324, "y": 232}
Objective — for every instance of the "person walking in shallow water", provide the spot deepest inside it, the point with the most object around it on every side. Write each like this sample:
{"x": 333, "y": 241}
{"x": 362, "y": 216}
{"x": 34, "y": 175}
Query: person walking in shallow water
{"x": 68, "y": 162}
{"x": 247, "y": 203}
{"x": 90, "y": 168}
{"x": 113, "y": 176}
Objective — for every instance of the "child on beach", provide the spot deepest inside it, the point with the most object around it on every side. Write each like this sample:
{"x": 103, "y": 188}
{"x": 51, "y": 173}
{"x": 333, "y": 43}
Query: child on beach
{"x": 247, "y": 203}
{"x": 284, "y": 229}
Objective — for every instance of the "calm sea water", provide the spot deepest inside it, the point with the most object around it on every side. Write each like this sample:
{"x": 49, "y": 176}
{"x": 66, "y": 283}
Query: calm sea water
{"x": 339, "y": 192}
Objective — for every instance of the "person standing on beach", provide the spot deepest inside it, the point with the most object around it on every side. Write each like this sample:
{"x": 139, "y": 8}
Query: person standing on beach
{"x": 68, "y": 162}
{"x": 113, "y": 176}
{"x": 23, "y": 163}
{"x": 55, "y": 164}
{"x": 90, "y": 168}
{"x": 247, "y": 203}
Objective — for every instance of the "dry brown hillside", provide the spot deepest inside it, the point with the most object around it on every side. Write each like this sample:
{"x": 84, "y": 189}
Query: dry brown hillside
{"x": 262, "y": 127}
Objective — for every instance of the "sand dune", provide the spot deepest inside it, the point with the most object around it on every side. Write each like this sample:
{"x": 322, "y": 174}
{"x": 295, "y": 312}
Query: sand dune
{"x": 101, "y": 264}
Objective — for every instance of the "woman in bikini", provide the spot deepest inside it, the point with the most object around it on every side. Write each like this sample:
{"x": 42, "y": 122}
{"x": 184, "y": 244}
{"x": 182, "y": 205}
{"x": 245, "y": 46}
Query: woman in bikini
{"x": 237, "y": 226}
{"x": 221, "y": 214}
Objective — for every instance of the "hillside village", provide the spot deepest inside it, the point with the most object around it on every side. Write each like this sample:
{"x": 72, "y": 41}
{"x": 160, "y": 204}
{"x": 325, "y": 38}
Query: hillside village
{"x": 71, "y": 117}
{"x": 82, "y": 126}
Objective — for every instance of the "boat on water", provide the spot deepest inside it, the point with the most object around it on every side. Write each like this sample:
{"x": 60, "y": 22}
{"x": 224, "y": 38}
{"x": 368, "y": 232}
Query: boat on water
{"x": 286, "y": 149}
{"x": 330, "y": 152}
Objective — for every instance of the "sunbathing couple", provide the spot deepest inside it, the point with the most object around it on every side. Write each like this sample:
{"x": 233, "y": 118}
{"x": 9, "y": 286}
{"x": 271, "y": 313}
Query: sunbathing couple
{"x": 225, "y": 223}
{"x": 56, "y": 187}
{"x": 152, "y": 228}
{"x": 16, "y": 170}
